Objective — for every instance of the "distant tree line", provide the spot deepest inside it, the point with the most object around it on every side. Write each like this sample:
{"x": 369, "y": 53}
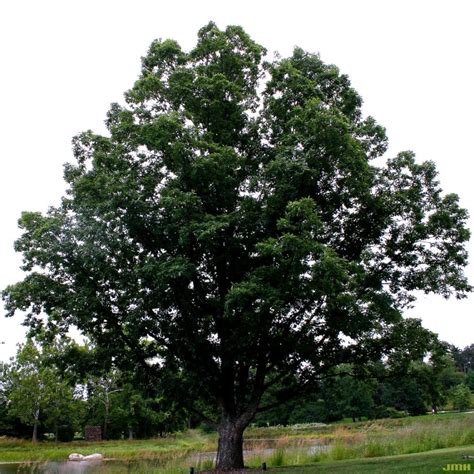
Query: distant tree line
{"x": 55, "y": 388}
{"x": 444, "y": 380}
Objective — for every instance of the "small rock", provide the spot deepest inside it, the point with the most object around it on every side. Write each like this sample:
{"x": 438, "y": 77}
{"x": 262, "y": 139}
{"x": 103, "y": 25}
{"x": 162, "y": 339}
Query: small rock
{"x": 76, "y": 457}
{"x": 94, "y": 457}
{"x": 89, "y": 457}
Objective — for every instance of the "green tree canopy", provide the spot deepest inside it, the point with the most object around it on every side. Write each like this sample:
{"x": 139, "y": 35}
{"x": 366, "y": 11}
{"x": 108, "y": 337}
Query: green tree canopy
{"x": 464, "y": 358}
{"x": 233, "y": 231}
{"x": 37, "y": 393}
{"x": 461, "y": 397}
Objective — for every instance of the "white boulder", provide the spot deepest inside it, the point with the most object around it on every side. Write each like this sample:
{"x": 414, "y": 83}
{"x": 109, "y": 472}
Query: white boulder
{"x": 94, "y": 457}
{"x": 76, "y": 457}
{"x": 89, "y": 457}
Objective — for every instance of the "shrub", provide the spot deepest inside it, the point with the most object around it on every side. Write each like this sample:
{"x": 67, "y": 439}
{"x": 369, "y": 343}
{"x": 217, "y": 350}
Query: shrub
{"x": 461, "y": 397}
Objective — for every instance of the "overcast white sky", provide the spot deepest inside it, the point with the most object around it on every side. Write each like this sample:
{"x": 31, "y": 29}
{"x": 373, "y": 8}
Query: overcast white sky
{"x": 64, "y": 62}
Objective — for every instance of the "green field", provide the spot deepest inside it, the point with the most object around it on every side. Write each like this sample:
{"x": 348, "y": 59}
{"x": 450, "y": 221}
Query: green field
{"x": 429, "y": 462}
{"x": 160, "y": 449}
{"x": 390, "y": 445}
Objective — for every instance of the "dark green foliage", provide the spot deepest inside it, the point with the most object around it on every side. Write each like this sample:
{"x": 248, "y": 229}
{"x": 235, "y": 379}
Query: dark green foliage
{"x": 70, "y": 393}
{"x": 409, "y": 397}
{"x": 464, "y": 358}
{"x": 470, "y": 380}
{"x": 461, "y": 397}
{"x": 402, "y": 387}
{"x": 381, "y": 411}
{"x": 6, "y": 421}
{"x": 125, "y": 409}
{"x": 359, "y": 401}
{"x": 310, "y": 410}
{"x": 240, "y": 239}
{"x": 67, "y": 431}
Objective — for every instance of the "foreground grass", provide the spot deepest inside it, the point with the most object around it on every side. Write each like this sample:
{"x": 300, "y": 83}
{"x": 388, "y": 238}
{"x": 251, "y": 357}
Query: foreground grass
{"x": 374, "y": 439}
{"x": 430, "y": 462}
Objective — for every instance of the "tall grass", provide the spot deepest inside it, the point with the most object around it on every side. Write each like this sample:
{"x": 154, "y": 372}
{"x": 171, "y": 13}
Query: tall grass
{"x": 376, "y": 439}
{"x": 289, "y": 447}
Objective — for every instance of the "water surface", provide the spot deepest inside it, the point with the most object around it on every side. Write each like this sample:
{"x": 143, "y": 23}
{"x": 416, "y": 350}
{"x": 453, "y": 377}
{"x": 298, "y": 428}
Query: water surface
{"x": 138, "y": 466}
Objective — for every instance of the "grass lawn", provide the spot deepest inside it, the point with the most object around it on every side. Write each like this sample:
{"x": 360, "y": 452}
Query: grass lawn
{"x": 430, "y": 462}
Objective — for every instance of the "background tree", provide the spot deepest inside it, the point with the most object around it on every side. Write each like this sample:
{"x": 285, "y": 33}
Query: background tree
{"x": 6, "y": 423}
{"x": 241, "y": 240}
{"x": 359, "y": 401}
{"x": 102, "y": 389}
{"x": 36, "y": 392}
{"x": 134, "y": 413}
{"x": 435, "y": 375}
{"x": 63, "y": 410}
{"x": 464, "y": 358}
{"x": 470, "y": 380}
{"x": 28, "y": 387}
{"x": 129, "y": 411}
{"x": 461, "y": 397}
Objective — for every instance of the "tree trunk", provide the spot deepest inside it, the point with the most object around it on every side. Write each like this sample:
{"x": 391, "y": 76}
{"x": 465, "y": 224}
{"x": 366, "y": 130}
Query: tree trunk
{"x": 106, "y": 419}
{"x": 34, "y": 438}
{"x": 130, "y": 433}
{"x": 230, "y": 449}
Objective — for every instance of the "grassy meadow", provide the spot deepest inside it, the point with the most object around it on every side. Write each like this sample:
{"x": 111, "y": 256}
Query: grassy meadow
{"x": 428, "y": 462}
{"x": 364, "y": 445}
{"x": 160, "y": 449}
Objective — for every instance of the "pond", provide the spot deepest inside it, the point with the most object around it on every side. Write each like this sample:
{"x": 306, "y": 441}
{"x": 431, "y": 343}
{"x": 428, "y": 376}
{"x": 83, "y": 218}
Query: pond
{"x": 84, "y": 467}
{"x": 74, "y": 467}
{"x": 114, "y": 466}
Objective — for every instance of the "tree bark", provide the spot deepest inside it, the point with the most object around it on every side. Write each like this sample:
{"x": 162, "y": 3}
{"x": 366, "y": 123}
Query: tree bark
{"x": 106, "y": 418}
{"x": 34, "y": 438}
{"x": 230, "y": 449}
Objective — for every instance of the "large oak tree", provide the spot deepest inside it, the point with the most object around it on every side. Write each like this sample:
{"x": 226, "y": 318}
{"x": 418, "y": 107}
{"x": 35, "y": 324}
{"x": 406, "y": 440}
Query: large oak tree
{"x": 238, "y": 230}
